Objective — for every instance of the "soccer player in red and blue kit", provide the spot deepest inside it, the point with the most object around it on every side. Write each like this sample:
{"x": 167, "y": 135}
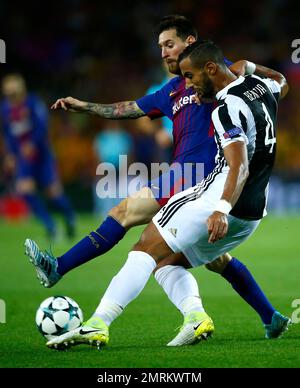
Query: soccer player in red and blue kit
{"x": 25, "y": 126}
{"x": 193, "y": 143}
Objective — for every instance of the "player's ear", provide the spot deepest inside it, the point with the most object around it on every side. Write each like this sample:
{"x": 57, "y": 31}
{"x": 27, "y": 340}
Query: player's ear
{"x": 211, "y": 68}
{"x": 190, "y": 39}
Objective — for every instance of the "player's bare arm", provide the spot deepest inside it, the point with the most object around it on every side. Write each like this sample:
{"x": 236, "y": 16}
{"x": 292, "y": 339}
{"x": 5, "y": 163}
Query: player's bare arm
{"x": 243, "y": 67}
{"x": 116, "y": 111}
{"x": 237, "y": 160}
{"x": 275, "y": 75}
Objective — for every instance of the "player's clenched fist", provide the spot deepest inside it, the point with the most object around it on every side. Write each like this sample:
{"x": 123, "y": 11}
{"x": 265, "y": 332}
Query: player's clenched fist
{"x": 69, "y": 104}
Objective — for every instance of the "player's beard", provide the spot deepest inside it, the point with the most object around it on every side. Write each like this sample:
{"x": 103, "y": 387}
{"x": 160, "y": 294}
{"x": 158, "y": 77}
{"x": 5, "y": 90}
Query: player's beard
{"x": 207, "y": 88}
{"x": 174, "y": 68}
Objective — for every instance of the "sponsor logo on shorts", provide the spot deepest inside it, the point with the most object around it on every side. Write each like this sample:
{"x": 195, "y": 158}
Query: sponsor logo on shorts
{"x": 173, "y": 231}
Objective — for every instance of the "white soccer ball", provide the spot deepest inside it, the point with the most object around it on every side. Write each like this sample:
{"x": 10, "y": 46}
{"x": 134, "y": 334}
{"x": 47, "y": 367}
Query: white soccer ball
{"x": 57, "y": 315}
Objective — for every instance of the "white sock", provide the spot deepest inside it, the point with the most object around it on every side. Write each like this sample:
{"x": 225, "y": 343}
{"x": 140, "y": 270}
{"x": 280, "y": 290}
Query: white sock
{"x": 108, "y": 311}
{"x": 126, "y": 285}
{"x": 181, "y": 288}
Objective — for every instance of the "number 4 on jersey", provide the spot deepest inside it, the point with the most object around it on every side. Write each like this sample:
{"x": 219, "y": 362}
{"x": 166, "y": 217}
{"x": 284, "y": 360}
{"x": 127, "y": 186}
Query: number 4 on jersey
{"x": 270, "y": 138}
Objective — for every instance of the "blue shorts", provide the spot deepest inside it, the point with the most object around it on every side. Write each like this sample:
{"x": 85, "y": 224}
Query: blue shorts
{"x": 174, "y": 180}
{"x": 44, "y": 173}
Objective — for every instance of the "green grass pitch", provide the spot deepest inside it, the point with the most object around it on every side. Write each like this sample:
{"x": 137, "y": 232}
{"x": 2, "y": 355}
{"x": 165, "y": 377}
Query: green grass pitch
{"x": 139, "y": 337}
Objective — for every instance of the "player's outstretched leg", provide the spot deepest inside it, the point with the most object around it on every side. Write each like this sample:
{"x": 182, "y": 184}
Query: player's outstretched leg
{"x": 138, "y": 268}
{"x": 135, "y": 210}
{"x": 93, "y": 332}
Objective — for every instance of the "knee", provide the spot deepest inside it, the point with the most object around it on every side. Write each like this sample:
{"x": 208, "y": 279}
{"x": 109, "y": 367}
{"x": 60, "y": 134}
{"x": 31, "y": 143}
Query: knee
{"x": 120, "y": 212}
{"x": 130, "y": 212}
{"x": 219, "y": 264}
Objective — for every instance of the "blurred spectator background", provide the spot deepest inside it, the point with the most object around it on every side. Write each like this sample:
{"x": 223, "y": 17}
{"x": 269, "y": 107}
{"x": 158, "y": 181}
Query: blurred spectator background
{"x": 107, "y": 52}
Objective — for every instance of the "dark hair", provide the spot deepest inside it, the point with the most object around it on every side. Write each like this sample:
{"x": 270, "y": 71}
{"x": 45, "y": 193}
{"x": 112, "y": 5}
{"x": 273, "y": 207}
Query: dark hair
{"x": 181, "y": 24}
{"x": 201, "y": 52}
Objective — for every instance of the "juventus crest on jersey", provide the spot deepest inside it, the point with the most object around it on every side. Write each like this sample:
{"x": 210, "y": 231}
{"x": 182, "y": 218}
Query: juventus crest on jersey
{"x": 247, "y": 110}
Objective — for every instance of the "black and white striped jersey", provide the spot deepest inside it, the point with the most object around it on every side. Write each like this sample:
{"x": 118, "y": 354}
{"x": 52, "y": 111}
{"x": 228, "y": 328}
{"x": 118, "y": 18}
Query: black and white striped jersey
{"x": 246, "y": 111}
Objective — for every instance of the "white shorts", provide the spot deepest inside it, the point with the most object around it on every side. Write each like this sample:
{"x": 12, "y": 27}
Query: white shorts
{"x": 182, "y": 223}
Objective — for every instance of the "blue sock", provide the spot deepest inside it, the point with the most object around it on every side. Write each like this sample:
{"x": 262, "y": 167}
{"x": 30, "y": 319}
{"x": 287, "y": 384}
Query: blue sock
{"x": 40, "y": 211}
{"x": 62, "y": 203}
{"x": 95, "y": 244}
{"x": 245, "y": 285}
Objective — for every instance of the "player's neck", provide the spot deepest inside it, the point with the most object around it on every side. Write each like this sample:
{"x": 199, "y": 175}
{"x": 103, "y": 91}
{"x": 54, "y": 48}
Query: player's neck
{"x": 225, "y": 78}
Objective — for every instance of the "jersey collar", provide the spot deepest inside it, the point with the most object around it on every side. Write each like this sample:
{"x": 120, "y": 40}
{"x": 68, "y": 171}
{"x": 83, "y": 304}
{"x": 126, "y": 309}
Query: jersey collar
{"x": 221, "y": 93}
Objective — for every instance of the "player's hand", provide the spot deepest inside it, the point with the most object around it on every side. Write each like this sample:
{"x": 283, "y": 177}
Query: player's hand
{"x": 217, "y": 226}
{"x": 239, "y": 68}
{"x": 69, "y": 104}
{"x": 196, "y": 98}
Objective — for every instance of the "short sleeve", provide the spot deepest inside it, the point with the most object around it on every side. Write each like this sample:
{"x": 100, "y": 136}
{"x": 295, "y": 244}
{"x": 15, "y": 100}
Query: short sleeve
{"x": 150, "y": 105}
{"x": 229, "y": 123}
{"x": 157, "y": 103}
